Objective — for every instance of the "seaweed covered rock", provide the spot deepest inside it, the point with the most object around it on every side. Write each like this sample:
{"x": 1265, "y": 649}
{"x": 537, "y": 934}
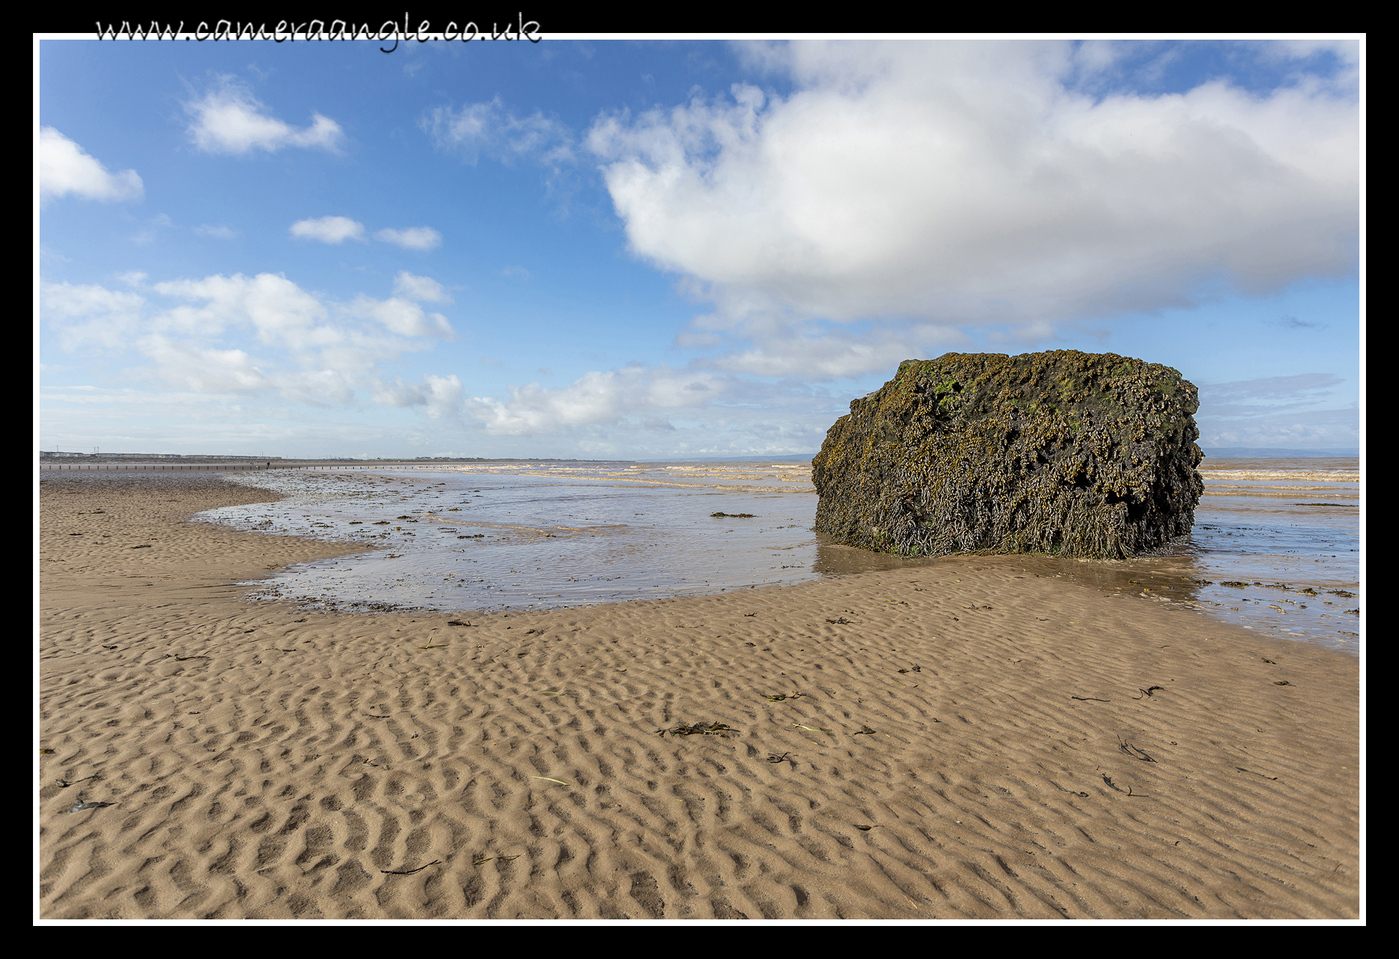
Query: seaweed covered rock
{"x": 1075, "y": 454}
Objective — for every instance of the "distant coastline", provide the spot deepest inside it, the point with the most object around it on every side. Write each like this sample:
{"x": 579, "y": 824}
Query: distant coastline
{"x": 1219, "y": 452}
{"x": 1271, "y": 453}
{"x": 289, "y": 462}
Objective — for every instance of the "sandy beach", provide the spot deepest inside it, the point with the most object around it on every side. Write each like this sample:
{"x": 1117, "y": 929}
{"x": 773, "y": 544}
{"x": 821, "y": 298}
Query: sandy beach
{"x": 975, "y": 739}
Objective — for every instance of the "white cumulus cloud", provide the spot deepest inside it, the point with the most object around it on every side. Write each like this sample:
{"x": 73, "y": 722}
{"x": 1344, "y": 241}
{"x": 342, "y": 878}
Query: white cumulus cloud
{"x": 202, "y": 369}
{"x": 90, "y": 315}
{"x": 258, "y": 335}
{"x": 275, "y": 307}
{"x": 966, "y": 182}
{"x": 422, "y": 288}
{"x": 403, "y": 317}
{"x": 66, "y": 168}
{"x": 441, "y": 396}
{"x": 229, "y": 119}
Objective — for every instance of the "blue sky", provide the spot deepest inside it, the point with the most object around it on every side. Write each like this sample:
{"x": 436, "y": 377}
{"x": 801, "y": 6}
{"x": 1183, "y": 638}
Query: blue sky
{"x": 667, "y": 249}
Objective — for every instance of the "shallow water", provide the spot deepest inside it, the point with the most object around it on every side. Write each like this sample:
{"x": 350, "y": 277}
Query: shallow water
{"x": 510, "y": 536}
{"x": 1276, "y": 543}
{"x": 1267, "y": 532}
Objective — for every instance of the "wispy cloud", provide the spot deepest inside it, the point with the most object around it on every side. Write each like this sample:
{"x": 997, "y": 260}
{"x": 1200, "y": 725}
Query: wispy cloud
{"x": 337, "y": 229}
{"x": 820, "y": 353}
{"x": 658, "y": 410}
{"x": 1295, "y": 323}
{"x": 1330, "y": 428}
{"x": 596, "y": 398}
{"x": 328, "y": 229}
{"x": 413, "y": 238}
{"x": 1300, "y": 411}
{"x": 1304, "y": 388}
{"x": 150, "y": 230}
{"x": 489, "y": 128}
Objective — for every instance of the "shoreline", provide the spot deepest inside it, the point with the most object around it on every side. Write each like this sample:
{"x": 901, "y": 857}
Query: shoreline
{"x": 1228, "y": 578}
{"x": 971, "y": 741}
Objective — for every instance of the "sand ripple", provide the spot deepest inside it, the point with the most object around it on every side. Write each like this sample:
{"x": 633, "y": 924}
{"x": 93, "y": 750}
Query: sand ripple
{"x": 970, "y": 740}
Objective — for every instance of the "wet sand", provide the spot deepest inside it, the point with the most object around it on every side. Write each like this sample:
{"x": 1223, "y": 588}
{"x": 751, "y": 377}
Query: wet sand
{"x": 971, "y": 739}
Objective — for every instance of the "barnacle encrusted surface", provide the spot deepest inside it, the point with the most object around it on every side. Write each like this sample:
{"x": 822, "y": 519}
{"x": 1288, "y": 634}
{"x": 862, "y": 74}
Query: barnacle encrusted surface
{"x": 1075, "y": 454}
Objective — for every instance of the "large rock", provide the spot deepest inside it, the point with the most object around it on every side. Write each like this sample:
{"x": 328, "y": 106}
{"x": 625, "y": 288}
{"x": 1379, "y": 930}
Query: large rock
{"x": 1075, "y": 454}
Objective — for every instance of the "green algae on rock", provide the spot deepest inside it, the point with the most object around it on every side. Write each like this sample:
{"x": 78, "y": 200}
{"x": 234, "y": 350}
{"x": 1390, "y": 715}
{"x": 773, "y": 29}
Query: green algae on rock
{"x": 1068, "y": 453}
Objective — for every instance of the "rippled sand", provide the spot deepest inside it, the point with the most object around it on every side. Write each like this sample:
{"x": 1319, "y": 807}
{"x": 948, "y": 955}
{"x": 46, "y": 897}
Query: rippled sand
{"x": 965, "y": 739}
